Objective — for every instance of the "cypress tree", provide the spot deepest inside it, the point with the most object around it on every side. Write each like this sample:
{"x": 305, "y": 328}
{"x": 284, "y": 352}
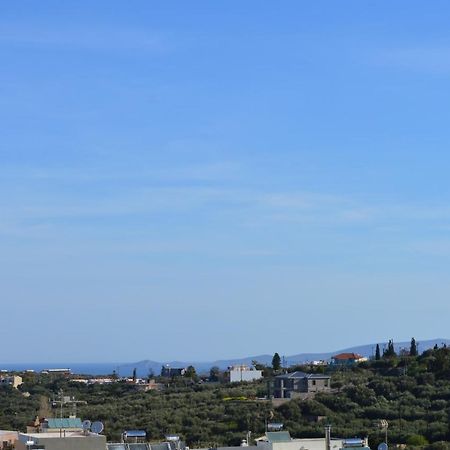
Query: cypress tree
{"x": 390, "y": 351}
{"x": 413, "y": 348}
{"x": 276, "y": 361}
{"x": 377, "y": 353}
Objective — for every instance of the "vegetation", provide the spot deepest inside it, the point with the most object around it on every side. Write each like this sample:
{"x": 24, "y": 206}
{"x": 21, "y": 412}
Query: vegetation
{"x": 276, "y": 362}
{"x": 377, "y": 353}
{"x": 411, "y": 392}
{"x": 390, "y": 351}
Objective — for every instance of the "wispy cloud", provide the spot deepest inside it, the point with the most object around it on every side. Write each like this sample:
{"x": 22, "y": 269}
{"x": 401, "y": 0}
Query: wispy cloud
{"x": 217, "y": 191}
{"x": 82, "y": 37}
{"x": 204, "y": 172}
{"x": 433, "y": 59}
{"x": 241, "y": 205}
{"x": 223, "y": 170}
{"x": 304, "y": 207}
{"x": 430, "y": 247}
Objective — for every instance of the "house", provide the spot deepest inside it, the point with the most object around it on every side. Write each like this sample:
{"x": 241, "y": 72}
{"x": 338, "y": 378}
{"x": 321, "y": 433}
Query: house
{"x": 293, "y": 384}
{"x": 148, "y": 385}
{"x": 170, "y": 372}
{"x": 236, "y": 374}
{"x": 13, "y": 380}
{"x": 8, "y": 439}
{"x": 347, "y": 359}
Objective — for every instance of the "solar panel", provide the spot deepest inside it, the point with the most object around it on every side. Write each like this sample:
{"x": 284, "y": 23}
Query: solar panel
{"x": 116, "y": 446}
{"x": 140, "y": 446}
{"x": 278, "y": 436}
{"x": 162, "y": 446}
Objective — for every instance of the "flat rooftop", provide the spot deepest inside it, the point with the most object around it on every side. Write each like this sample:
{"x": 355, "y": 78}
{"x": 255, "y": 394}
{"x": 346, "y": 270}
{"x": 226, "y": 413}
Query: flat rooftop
{"x": 4, "y": 432}
{"x": 56, "y": 435}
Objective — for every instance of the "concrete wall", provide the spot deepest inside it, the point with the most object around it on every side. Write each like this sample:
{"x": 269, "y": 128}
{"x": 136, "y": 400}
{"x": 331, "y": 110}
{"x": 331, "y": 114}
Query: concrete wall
{"x": 244, "y": 375}
{"x": 318, "y": 385}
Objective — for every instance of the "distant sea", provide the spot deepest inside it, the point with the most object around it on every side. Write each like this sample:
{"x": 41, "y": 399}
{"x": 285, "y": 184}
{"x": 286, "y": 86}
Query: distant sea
{"x": 78, "y": 368}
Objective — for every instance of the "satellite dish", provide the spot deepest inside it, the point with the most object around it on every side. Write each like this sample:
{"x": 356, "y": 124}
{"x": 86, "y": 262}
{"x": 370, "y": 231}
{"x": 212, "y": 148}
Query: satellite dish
{"x": 383, "y": 446}
{"x": 86, "y": 425}
{"x": 97, "y": 427}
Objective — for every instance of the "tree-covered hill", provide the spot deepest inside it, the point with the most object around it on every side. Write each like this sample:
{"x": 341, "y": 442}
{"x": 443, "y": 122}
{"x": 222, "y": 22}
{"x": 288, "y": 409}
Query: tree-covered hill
{"x": 411, "y": 393}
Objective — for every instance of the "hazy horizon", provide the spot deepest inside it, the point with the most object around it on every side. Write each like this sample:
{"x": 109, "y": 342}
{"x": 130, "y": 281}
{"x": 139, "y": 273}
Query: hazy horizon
{"x": 224, "y": 358}
{"x": 212, "y": 179}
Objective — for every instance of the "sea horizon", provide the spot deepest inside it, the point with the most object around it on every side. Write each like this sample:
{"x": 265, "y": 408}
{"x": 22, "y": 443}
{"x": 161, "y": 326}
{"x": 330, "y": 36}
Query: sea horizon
{"x": 76, "y": 368}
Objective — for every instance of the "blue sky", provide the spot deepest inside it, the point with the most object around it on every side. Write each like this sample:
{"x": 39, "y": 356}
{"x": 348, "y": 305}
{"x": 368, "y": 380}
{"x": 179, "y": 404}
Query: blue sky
{"x": 201, "y": 180}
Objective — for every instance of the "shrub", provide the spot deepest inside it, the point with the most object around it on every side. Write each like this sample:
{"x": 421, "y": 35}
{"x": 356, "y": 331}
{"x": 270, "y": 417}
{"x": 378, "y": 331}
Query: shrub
{"x": 416, "y": 440}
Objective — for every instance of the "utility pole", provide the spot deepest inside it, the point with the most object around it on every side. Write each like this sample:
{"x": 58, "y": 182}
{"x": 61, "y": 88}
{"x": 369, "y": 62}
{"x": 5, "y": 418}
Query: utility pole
{"x": 327, "y": 437}
{"x": 61, "y": 412}
{"x": 384, "y": 426}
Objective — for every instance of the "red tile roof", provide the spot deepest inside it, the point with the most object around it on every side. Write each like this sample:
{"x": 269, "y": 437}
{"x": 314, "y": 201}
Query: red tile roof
{"x": 344, "y": 356}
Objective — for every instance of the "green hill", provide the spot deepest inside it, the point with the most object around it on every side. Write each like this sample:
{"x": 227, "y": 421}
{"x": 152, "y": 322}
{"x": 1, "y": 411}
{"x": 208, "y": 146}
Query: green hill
{"x": 411, "y": 393}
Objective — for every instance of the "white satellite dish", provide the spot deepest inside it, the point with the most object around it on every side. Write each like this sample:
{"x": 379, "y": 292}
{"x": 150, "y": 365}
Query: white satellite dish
{"x": 86, "y": 425}
{"x": 383, "y": 446}
{"x": 97, "y": 427}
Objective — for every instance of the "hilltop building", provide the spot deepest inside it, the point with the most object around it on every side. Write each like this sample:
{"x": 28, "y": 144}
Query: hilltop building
{"x": 14, "y": 381}
{"x": 236, "y": 374}
{"x": 291, "y": 385}
{"x": 148, "y": 385}
{"x": 347, "y": 359}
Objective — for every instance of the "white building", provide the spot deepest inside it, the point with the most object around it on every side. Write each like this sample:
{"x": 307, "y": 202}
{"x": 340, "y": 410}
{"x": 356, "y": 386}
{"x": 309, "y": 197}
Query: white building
{"x": 240, "y": 373}
{"x": 66, "y": 440}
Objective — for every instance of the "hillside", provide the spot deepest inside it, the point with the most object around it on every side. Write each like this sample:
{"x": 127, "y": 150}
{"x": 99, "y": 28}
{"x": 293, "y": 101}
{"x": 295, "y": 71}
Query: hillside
{"x": 146, "y": 366}
{"x": 411, "y": 393}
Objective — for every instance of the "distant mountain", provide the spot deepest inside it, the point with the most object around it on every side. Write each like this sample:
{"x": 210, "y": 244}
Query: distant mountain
{"x": 367, "y": 350}
{"x": 143, "y": 368}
